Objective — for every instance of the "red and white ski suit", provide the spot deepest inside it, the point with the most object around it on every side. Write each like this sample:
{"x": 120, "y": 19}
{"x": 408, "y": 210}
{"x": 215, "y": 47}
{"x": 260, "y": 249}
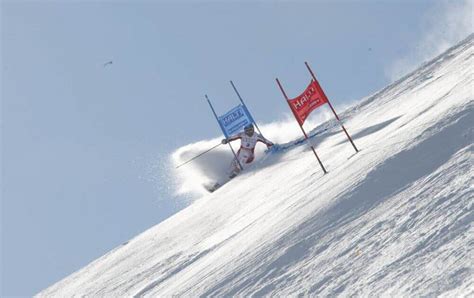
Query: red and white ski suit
{"x": 245, "y": 154}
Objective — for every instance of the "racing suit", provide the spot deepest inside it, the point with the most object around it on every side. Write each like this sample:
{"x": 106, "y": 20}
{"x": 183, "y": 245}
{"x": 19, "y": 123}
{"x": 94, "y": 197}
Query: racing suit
{"x": 245, "y": 154}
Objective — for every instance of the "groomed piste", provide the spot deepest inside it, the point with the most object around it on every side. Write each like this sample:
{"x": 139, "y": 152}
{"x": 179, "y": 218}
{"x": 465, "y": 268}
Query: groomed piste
{"x": 394, "y": 219}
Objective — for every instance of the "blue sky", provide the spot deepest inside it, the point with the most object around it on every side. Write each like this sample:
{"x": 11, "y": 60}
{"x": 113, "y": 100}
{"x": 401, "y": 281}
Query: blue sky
{"x": 85, "y": 147}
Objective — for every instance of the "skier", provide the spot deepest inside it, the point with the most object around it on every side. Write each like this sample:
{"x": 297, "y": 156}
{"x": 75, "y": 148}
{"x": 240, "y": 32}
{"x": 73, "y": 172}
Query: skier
{"x": 248, "y": 140}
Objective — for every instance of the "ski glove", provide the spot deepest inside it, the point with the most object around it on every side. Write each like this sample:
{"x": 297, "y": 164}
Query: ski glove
{"x": 224, "y": 141}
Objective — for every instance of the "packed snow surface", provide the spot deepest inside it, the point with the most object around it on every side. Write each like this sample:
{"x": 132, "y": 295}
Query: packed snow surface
{"x": 394, "y": 219}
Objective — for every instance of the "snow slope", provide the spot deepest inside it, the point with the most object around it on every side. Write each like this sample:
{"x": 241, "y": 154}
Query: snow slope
{"x": 394, "y": 219}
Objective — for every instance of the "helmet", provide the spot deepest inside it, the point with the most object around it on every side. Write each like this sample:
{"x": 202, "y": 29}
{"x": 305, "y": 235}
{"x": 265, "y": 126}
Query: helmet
{"x": 248, "y": 129}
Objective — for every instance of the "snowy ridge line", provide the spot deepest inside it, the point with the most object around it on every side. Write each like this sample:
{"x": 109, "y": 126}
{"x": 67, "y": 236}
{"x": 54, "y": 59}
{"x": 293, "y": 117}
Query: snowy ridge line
{"x": 395, "y": 219}
{"x": 421, "y": 74}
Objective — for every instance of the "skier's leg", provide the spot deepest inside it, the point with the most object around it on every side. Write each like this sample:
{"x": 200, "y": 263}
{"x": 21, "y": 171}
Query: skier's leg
{"x": 243, "y": 157}
{"x": 250, "y": 157}
{"x": 234, "y": 166}
{"x": 235, "y": 169}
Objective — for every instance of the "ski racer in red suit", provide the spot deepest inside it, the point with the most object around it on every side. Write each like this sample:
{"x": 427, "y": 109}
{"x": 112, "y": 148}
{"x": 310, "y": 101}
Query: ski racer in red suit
{"x": 248, "y": 140}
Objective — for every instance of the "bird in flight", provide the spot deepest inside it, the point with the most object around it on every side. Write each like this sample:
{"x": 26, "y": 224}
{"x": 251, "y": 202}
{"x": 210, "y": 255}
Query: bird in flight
{"x": 108, "y": 63}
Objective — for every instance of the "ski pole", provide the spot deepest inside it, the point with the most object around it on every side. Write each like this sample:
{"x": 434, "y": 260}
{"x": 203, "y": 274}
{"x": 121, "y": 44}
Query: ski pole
{"x": 199, "y": 155}
{"x": 242, "y": 101}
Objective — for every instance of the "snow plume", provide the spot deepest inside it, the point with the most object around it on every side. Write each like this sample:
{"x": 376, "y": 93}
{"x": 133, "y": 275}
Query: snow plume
{"x": 446, "y": 24}
{"x": 215, "y": 165}
{"x": 205, "y": 169}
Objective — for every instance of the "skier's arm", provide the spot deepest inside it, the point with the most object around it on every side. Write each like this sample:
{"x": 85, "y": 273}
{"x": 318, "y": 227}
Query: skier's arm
{"x": 265, "y": 141}
{"x": 232, "y": 138}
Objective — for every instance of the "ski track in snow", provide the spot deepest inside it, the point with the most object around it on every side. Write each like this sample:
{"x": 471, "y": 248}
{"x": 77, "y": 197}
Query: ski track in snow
{"x": 396, "y": 219}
